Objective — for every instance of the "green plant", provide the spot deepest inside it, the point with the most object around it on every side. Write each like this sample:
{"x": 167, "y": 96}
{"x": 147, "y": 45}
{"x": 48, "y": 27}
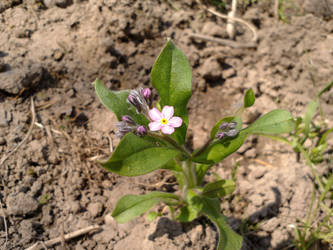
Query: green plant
{"x": 319, "y": 223}
{"x": 154, "y": 137}
{"x": 44, "y": 199}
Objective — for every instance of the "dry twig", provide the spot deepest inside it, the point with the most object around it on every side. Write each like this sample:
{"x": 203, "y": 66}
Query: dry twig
{"x": 66, "y": 237}
{"x": 32, "y": 108}
{"x": 264, "y": 163}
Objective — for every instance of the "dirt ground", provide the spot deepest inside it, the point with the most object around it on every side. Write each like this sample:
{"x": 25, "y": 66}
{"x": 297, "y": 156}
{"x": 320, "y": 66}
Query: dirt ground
{"x": 53, "y": 50}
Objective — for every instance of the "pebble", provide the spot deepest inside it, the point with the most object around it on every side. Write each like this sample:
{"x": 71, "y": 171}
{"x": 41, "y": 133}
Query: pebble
{"x": 211, "y": 70}
{"x": 2, "y": 141}
{"x": 21, "y": 204}
{"x": 58, "y": 55}
{"x": 95, "y": 209}
{"x": 3, "y": 66}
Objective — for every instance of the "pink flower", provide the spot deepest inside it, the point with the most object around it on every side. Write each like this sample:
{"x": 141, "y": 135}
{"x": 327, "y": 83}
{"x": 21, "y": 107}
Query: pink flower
{"x": 163, "y": 120}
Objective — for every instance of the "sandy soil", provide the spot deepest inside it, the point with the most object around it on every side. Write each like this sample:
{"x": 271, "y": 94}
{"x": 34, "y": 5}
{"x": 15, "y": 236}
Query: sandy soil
{"x": 53, "y": 50}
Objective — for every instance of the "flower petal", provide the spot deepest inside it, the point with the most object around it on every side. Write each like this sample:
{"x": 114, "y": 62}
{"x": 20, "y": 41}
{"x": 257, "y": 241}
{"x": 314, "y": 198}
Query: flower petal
{"x": 175, "y": 122}
{"x": 155, "y": 126}
{"x": 166, "y": 129}
{"x": 155, "y": 114}
{"x": 167, "y": 112}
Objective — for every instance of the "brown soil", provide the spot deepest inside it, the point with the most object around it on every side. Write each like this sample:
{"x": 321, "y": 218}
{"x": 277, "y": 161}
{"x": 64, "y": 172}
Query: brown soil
{"x": 53, "y": 50}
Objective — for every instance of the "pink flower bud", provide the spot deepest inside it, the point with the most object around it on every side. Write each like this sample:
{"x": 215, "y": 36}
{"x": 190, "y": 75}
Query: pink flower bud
{"x": 146, "y": 92}
{"x": 141, "y": 130}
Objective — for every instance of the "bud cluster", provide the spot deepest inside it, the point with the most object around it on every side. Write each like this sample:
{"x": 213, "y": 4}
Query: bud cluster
{"x": 227, "y": 129}
{"x": 141, "y": 99}
{"x": 127, "y": 124}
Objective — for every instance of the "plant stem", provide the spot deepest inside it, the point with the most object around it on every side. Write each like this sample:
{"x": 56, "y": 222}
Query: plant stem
{"x": 190, "y": 177}
{"x": 170, "y": 141}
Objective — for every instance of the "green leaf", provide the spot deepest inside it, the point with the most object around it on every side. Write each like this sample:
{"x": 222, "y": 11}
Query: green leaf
{"x": 216, "y": 127}
{"x": 219, "y": 189}
{"x": 192, "y": 210}
{"x": 220, "y": 149}
{"x": 116, "y": 102}
{"x": 325, "y": 89}
{"x": 249, "y": 98}
{"x": 151, "y": 216}
{"x": 172, "y": 77}
{"x": 309, "y": 113}
{"x": 201, "y": 170}
{"x": 328, "y": 187}
{"x": 131, "y": 206}
{"x": 172, "y": 165}
{"x": 228, "y": 239}
{"x": 323, "y": 137}
{"x": 139, "y": 155}
{"x": 275, "y": 122}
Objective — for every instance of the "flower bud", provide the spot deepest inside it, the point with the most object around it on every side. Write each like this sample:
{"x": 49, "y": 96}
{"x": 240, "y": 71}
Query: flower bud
{"x": 123, "y": 128}
{"x": 221, "y": 135}
{"x": 132, "y": 99}
{"x": 223, "y": 125}
{"x": 128, "y": 119}
{"x": 232, "y": 133}
{"x": 137, "y": 99}
{"x": 141, "y": 130}
{"x": 146, "y": 92}
{"x": 232, "y": 125}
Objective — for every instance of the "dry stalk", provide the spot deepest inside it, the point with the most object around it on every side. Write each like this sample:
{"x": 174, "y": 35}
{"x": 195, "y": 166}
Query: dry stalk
{"x": 276, "y": 9}
{"x": 264, "y": 163}
{"x": 66, "y": 237}
{"x": 231, "y": 24}
{"x": 230, "y": 19}
{"x": 33, "y": 113}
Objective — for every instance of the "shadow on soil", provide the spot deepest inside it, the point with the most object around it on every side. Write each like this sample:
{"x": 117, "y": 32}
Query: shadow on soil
{"x": 252, "y": 240}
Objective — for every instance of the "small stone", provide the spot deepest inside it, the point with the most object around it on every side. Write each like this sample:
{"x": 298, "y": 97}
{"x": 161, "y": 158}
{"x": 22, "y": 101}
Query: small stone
{"x": 211, "y": 70}
{"x": 36, "y": 188}
{"x": 28, "y": 230}
{"x": 257, "y": 171}
{"x": 196, "y": 234}
{"x": 95, "y": 209}
{"x": 58, "y": 55}
{"x": 64, "y": 3}
{"x": 2, "y": 141}
{"x": 23, "y": 33}
{"x": 251, "y": 153}
{"x": 21, "y": 204}
{"x": 270, "y": 225}
{"x": 3, "y": 66}
{"x": 47, "y": 218}
{"x": 75, "y": 206}
{"x": 228, "y": 73}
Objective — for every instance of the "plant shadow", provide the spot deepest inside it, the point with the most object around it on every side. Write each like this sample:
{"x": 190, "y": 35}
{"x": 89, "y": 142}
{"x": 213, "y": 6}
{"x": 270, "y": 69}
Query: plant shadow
{"x": 252, "y": 239}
